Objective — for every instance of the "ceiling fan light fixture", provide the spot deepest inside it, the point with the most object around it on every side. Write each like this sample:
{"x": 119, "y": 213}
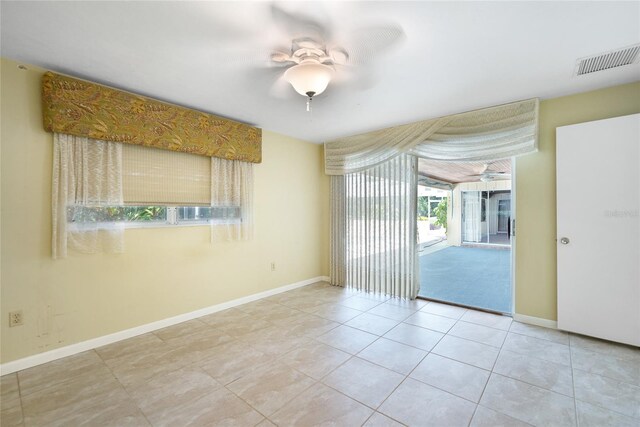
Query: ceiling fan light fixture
{"x": 309, "y": 78}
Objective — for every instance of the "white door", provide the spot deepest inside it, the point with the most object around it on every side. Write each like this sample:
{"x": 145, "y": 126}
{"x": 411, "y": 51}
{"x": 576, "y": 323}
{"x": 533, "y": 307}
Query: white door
{"x": 598, "y": 228}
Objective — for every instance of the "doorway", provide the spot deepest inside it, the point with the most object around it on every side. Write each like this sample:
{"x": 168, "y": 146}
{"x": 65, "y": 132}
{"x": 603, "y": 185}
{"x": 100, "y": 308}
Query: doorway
{"x": 472, "y": 264}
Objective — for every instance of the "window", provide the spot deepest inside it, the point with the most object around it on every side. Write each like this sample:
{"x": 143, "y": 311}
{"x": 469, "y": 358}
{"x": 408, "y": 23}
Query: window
{"x": 151, "y": 216}
{"x": 160, "y": 188}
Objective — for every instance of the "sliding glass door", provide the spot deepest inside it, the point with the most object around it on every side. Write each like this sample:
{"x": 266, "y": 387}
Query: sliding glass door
{"x": 486, "y": 217}
{"x": 471, "y": 264}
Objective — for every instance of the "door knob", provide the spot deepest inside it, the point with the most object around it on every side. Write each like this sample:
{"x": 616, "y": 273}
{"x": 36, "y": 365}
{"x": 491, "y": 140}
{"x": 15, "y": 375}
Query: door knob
{"x": 564, "y": 240}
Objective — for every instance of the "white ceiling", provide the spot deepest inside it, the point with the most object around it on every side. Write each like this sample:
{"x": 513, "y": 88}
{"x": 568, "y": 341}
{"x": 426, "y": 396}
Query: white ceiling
{"x": 457, "y": 172}
{"x": 457, "y": 56}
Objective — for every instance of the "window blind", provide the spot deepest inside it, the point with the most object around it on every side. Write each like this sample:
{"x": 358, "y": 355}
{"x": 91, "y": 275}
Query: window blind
{"x": 154, "y": 176}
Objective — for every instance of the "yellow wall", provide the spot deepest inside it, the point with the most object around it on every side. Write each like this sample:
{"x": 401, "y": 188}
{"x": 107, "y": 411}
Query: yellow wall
{"x": 169, "y": 271}
{"x": 165, "y": 271}
{"x": 536, "y": 193}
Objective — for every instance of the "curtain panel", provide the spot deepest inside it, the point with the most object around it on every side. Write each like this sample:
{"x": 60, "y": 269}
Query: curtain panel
{"x": 373, "y": 228}
{"x": 489, "y": 134}
{"x": 232, "y": 194}
{"x": 86, "y": 173}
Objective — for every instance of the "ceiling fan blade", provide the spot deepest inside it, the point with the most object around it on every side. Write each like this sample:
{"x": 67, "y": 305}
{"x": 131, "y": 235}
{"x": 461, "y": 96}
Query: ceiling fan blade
{"x": 357, "y": 78}
{"x": 369, "y": 42}
{"x": 338, "y": 55}
{"x": 281, "y": 89}
{"x": 278, "y": 56}
{"x": 297, "y": 25}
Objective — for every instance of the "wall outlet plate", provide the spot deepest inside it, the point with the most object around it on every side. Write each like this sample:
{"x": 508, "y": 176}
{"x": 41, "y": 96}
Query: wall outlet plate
{"x": 15, "y": 318}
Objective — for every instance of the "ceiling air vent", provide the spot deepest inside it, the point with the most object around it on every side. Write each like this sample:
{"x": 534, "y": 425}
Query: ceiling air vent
{"x": 604, "y": 61}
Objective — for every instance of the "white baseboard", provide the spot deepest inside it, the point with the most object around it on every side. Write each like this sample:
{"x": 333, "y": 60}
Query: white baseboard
{"x": 59, "y": 353}
{"x": 537, "y": 321}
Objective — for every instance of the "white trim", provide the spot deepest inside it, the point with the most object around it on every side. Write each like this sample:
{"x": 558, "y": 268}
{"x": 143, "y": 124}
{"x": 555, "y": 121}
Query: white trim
{"x": 59, "y": 353}
{"x": 537, "y": 321}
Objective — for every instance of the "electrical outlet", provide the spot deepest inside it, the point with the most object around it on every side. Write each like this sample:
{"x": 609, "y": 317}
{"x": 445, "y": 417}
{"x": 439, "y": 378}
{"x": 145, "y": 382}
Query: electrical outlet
{"x": 15, "y": 318}
{"x": 273, "y": 266}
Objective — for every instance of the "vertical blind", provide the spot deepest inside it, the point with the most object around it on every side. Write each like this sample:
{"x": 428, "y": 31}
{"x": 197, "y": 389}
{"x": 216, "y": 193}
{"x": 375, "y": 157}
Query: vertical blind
{"x": 373, "y": 220}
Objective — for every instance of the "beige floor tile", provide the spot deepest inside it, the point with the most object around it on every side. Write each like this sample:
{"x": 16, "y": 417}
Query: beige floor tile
{"x": 445, "y": 310}
{"x": 607, "y": 393}
{"x": 379, "y": 420}
{"x": 495, "y": 321}
{"x": 276, "y": 344}
{"x": 536, "y": 347}
{"x": 549, "y": 334}
{"x": 393, "y": 355}
{"x": 337, "y": 313}
{"x": 541, "y": 373}
{"x": 181, "y": 329}
{"x": 61, "y": 371}
{"x": 485, "y": 417}
{"x": 412, "y": 304}
{"x": 414, "y": 336}
{"x": 266, "y": 423}
{"x": 166, "y": 394}
{"x": 315, "y": 359}
{"x": 471, "y": 352}
{"x": 320, "y": 405}
{"x": 201, "y": 342}
{"x": 104, "y": 414}
{"x": 347, "y": 339}
{"x": 232, "y": 361}
{"x": 11, "y": 416}
{"x": 224, "y": 317}
{"x": 112, "y": 354}
{"x": 273, "y": 351}
{"x": 271, "y": 387}
{"x": 431, "y": 321}
{"x": 363, "y": 381}
{"x": 596, "y": 345}
{"x": 63, "y": 401}
{"x": 10, "y": 396}
{"x": 392, "y": 311}
{"x": 479, "y": 333}
{"x": 360, "y": 303}
{"x": 417, "y": 404}
{"x": 259, "y": 307}
{"x": 594, "y": 416}
{"x": 449, "y": 375}
{"x": 310, "y": 326}
{"x": 607, "y": 365}
{"x": 373, "y": 324}
{"x": 141, "y": 367}
{"x": 524, "y": 402}
{"x": 218, "y": 408}
{"x": 244, "y": 326}
{"x": 283, "y": 315}
{"x": 306, "y": 303}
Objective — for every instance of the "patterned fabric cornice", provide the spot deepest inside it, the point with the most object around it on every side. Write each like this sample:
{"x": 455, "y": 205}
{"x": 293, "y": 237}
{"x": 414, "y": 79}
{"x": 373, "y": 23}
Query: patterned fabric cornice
{"x": 81, "y": 108}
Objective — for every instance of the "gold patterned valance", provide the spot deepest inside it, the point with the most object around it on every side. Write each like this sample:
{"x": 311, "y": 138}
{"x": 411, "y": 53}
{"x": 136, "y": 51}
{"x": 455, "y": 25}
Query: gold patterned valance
{"x": 77, "y": 107}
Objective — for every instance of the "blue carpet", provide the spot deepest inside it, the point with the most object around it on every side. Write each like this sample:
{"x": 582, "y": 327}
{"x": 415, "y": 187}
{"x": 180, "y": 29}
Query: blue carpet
{"x": 476, "y": 277}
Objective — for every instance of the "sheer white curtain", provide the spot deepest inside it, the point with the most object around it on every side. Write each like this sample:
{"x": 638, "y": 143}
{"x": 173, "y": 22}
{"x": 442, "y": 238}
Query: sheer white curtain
{"x": 488, "y": 134}
{"x": 373, "y": 228}
{"x": 86, "y": 173}
{"x": 472, "y": 209}
{"x": 232, "y": 196}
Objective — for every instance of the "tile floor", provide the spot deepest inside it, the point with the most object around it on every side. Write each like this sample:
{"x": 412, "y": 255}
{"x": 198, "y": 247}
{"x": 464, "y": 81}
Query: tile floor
{"x": 326, "y": 355}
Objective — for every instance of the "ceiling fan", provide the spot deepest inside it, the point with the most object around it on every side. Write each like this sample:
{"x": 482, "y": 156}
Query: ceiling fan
{"x": 315, "y": 59}
{"x": 488, "y": 175}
